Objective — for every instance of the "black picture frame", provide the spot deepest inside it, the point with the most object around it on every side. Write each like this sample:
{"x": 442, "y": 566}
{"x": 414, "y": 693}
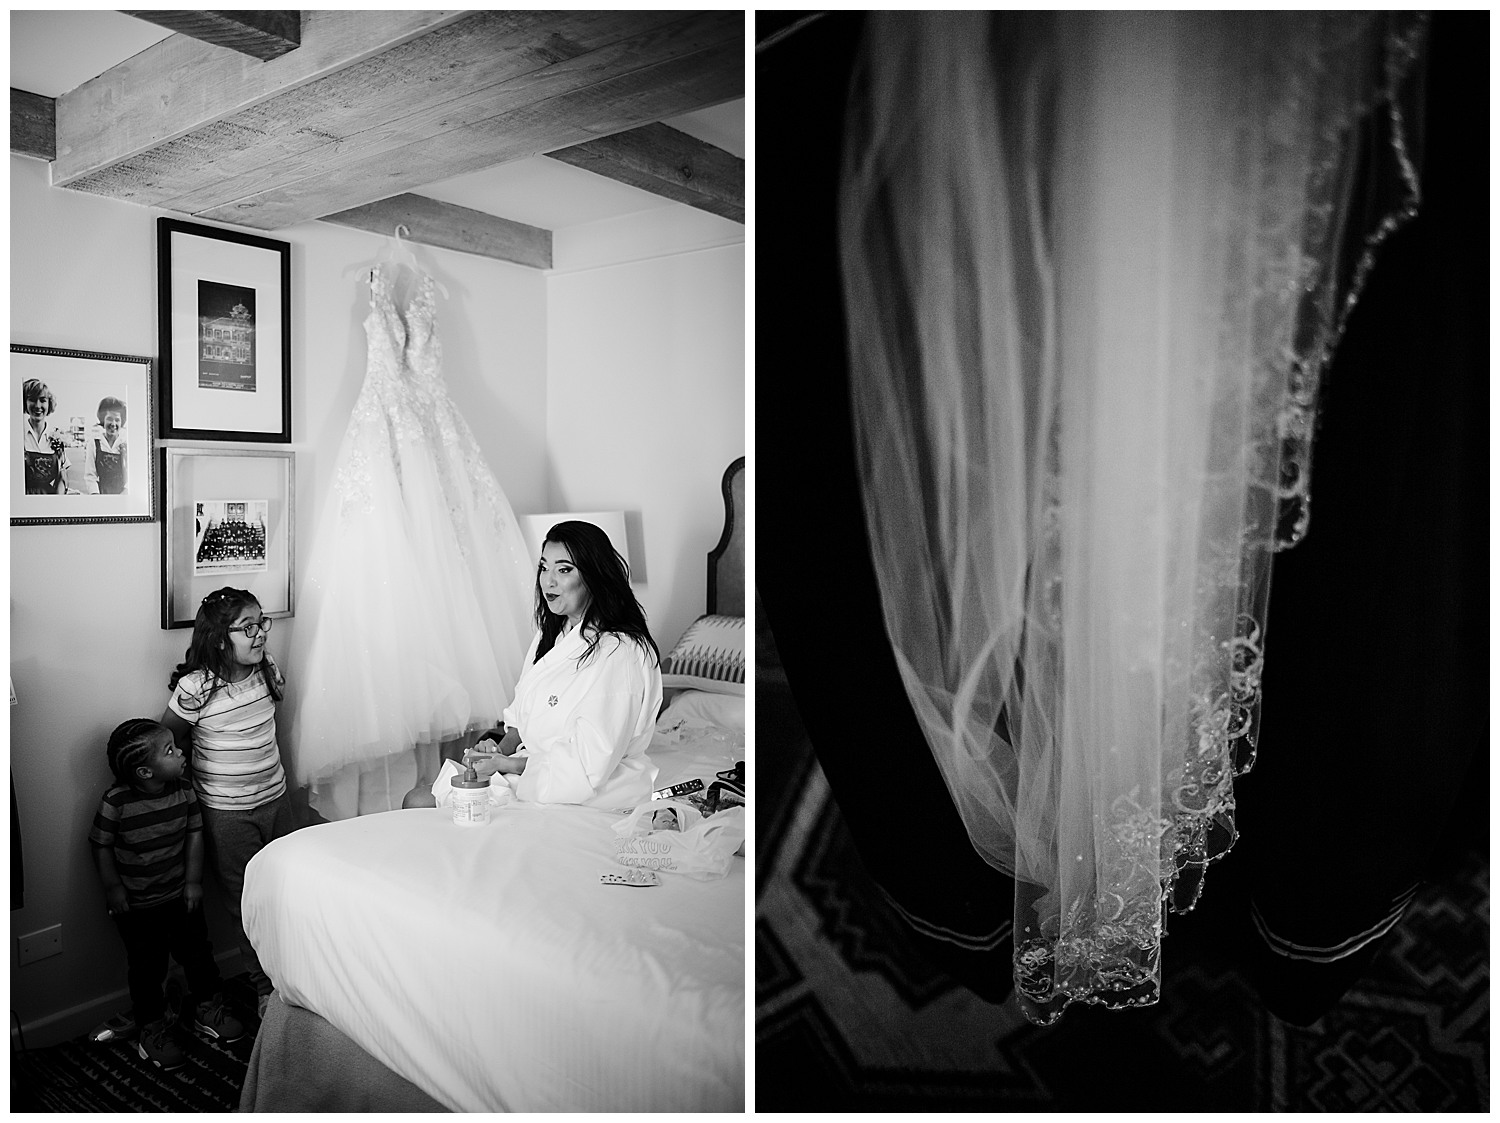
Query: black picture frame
{"x": 92, "y": 484}
{"x": 224, "y": 319}
{"x": 198, "y": 485}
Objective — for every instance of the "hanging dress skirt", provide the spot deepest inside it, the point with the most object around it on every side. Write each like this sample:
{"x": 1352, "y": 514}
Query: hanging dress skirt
{"x": 419, "y": 587}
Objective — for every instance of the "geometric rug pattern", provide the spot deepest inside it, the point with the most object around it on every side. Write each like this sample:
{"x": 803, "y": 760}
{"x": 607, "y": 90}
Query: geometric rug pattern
{"x": 84, "y": 1075}
{"x": 850, "y": 1017}
{"x": 110, "y": 1076}
{"x": 1413, "y": 1035}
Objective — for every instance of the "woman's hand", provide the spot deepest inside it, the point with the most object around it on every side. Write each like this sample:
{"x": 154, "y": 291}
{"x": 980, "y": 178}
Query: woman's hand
{"x": 192, "y": 896}
{"x": 115, "y": 900}
{"x": 486, "y": 763}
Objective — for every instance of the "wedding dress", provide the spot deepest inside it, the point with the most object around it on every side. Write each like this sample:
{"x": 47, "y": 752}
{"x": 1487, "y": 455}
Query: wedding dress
{"x": 1094, "y": 266}
{"x": 419, "y": 589}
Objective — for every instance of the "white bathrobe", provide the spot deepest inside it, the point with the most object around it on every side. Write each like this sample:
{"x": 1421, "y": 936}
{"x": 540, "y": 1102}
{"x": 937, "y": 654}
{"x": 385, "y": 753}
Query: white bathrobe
{"x": 587, "y": 728}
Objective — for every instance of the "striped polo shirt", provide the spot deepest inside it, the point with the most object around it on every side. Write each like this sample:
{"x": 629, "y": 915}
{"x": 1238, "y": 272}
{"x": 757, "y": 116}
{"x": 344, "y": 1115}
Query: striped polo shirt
{"x": 148, "y": 835}
{"x": 236, "y": 765}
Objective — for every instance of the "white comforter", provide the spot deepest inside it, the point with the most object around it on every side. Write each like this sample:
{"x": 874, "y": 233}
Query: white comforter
{"x": 490, "y": 967}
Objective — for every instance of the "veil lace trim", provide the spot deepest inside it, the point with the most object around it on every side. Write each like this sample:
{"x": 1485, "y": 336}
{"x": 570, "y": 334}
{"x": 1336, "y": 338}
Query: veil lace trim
{"x": 1094, "y": 267}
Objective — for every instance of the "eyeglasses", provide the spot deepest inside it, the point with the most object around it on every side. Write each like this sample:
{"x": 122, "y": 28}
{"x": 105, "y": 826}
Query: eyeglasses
{"x": 255, "y": 628}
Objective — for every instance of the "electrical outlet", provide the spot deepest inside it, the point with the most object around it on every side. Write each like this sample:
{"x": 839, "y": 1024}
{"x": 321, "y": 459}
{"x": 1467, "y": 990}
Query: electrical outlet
{"x": 39, "y": 944}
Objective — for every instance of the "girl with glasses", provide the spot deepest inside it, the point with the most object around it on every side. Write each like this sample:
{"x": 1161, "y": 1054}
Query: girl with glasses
{"x": 222, "y": 713}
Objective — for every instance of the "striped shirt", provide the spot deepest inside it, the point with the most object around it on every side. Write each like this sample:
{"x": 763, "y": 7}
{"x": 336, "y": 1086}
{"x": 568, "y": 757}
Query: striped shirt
{"x": 148, "y": 835}
{"x": 236, "y": 764}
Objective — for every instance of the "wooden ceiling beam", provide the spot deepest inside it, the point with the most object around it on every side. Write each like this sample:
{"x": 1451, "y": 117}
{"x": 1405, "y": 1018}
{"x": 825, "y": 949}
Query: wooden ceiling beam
{"x": 666, "y": 162}
{"x": 261, "y": 35}
{"x": 181, "y": 85}
{"x": 621, "y": 102}
{"x": 477, "y": 91}
{"x": 452, "y": 227}
{"x": 485, "y": 68}
{"x": 655, "y": 158}
{"x": 32, "y": 129}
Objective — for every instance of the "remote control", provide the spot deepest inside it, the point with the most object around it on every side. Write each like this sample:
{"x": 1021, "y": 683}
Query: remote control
{"x": 678, "y": 789}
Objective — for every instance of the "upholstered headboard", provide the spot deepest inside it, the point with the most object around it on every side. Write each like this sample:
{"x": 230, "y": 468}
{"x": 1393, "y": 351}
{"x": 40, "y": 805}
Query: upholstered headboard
{"x": 726, "y": 561}
{"x": 710, "y": 656}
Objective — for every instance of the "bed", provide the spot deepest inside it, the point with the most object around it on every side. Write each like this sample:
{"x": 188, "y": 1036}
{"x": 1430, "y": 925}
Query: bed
{"x": 424, "y": 966}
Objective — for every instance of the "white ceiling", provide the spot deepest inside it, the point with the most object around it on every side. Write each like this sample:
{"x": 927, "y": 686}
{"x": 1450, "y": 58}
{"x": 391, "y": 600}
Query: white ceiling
{"x": 51, "y": 52}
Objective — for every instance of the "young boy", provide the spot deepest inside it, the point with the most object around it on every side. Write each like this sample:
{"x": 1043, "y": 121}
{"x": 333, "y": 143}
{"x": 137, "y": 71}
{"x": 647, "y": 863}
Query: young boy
{"x": 147, "y": 840}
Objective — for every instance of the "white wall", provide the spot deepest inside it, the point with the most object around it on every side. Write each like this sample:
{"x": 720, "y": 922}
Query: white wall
{"x": 646, "y": 396}
{"x": 594, "y": 387}
{"x": 86, "y": 646}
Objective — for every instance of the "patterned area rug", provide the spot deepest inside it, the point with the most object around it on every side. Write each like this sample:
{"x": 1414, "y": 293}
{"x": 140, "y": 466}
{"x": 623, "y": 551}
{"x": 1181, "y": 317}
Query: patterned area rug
{"x": 84, "y": 1075}
{"x": 850, "y": 1017}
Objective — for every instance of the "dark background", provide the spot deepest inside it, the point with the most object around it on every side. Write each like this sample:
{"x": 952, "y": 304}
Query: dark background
{"x": 1373, "y": 768}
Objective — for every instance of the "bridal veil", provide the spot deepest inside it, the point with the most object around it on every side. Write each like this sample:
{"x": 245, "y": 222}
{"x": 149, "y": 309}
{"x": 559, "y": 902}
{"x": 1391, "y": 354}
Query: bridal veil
{"x": 1094, "y": 265}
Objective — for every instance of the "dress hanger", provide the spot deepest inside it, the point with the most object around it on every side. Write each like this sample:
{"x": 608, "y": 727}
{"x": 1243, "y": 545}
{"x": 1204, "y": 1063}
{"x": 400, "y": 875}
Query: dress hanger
{"x": 399, "y": 252}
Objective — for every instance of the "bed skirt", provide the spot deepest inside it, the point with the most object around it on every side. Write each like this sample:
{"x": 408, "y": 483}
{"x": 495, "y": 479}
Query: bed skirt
{"x": 302, "y": 1063}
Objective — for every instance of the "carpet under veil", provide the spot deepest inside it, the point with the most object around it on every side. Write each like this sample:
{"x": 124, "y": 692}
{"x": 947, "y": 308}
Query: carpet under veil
{"x": 851, "y": 1016}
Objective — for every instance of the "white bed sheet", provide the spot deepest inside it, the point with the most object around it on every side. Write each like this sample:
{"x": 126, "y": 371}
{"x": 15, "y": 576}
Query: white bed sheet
{"x": 491, "y": 968}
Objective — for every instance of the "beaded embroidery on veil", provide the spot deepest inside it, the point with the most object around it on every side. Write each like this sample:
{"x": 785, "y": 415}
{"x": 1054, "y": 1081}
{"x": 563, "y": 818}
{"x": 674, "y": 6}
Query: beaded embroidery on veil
{"x": 1092, "y": 267}
{"x": 419, "y": 587}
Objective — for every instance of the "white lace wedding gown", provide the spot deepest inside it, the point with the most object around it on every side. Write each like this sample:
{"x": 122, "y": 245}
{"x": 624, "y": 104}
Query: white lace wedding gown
{"x": 419, "y": 588}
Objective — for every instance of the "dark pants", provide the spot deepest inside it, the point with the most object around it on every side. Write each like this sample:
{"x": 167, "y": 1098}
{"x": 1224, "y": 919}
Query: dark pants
{"x": 234, "y": 837}
{"x": 150, "y": 934}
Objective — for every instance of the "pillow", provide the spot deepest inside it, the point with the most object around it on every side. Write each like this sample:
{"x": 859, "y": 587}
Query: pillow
{"x": 699, "y": 707}
{"x": 710, "y": 656}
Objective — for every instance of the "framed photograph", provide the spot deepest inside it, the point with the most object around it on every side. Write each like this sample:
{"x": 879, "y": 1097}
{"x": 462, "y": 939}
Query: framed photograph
{"x": 228, "y": 521}
{"x": 86, "y": 435}
{"x": 224, "y": 331}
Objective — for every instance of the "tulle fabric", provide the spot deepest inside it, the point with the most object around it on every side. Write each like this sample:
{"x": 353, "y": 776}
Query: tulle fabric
{"x": 1093, "y": 269}
{"x": 420, "y": 584}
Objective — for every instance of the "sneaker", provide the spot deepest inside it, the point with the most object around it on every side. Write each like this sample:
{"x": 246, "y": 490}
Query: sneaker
{"x": 121, "y": 1025}
{"x": 213, "y": 1020}
{"x": 155, "y": 1044}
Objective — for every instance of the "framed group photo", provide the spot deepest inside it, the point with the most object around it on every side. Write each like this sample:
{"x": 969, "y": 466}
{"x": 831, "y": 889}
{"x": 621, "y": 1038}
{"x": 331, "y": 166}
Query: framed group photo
{"x": 228, "y": 520}
{"x": 224, "y": 333}
{"x": 86, "y": 437}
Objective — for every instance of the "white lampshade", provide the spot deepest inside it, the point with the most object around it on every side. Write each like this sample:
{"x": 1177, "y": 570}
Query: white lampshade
{"x": 535, "y": 528}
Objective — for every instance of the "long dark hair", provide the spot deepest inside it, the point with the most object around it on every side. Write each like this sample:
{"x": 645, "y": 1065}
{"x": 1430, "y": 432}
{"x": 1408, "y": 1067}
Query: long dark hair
{"x": 612, "y": 605}
{"x": 209, "y": 649}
